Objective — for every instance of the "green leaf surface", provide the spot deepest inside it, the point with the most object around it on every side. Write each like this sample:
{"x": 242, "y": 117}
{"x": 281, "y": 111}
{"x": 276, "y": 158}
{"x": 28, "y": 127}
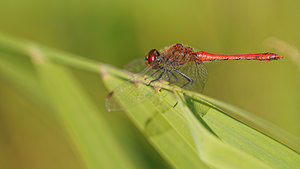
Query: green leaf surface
{"x": 237, "y": 143}
{"x": 159, "y": 122}
{"x": 97, "y": 146}
{"x": 211, "y": 149}
{"x": 52, "y": 86}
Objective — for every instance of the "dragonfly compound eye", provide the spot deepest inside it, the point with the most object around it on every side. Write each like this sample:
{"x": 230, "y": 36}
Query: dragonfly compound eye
{"x": 151, "y": 57}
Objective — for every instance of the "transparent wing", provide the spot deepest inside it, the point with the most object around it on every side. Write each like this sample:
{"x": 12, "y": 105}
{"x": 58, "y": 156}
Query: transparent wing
{"x": 131, "y": 93}
{"x": 196, "y": 72}
{"x": 136, "y": 66}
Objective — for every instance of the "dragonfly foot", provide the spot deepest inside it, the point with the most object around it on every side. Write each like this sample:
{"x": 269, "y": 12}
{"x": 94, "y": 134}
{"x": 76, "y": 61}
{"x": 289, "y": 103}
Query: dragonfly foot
{"x": 175, "y": 105}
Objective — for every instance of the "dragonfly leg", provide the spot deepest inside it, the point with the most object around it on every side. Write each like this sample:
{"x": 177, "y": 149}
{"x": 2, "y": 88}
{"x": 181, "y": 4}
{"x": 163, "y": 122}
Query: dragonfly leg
{"x": 154, "y": 73}
{"x": 158, "y": 77}
{"x": 190, "y": 81}
{"x": 175, "y": 105}
{"x": 173, "y": 76}
{"x": 169, "y": 80}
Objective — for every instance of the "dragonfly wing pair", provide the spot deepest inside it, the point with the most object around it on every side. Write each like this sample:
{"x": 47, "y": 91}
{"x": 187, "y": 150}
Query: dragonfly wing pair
{"x": 133, "y": 92}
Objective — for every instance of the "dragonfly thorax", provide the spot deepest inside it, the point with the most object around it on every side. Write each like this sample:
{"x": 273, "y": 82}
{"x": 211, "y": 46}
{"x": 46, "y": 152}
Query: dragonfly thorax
{"x": 170, "y": 57}
{"x": 177, "y": 54}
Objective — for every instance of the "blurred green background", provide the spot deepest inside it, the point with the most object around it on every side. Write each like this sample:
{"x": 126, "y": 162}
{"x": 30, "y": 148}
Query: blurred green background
{"x": 116, "y": 32}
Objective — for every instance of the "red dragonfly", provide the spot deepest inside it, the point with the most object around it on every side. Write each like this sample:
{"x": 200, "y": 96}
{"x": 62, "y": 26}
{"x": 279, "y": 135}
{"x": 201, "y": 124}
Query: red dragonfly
{"x": 177, "y": 64}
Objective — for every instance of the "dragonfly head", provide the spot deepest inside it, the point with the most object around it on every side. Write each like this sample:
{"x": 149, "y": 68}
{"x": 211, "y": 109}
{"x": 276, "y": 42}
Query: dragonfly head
{"x": 152, "y": 59}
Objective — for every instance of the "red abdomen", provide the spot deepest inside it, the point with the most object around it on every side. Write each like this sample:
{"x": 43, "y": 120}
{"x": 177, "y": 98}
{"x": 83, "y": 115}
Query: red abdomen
{"x": 208, "y": 57}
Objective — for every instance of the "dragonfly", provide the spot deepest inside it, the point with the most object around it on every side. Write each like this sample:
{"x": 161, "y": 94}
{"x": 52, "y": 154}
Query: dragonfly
{"x": 178, "y": 65}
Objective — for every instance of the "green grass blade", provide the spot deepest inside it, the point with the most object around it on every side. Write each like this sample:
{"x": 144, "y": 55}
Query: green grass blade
{"x": 84, "y": 123}
{"x": 211, "y": 149}
{"x": 20, "y": 77}
{"x": 90, "y": 133}
{"x": 159, "y": 123}
{"x": 265, "y": 126}
{"x": 255, "y": 146}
